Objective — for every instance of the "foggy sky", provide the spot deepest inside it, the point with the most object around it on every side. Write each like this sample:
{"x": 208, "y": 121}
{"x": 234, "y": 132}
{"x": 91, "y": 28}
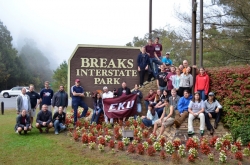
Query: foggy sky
{"x": 58, "y": 26}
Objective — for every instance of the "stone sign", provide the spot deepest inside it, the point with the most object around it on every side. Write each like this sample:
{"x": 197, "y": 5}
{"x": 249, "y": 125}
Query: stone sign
{"x": 97, "y": 66}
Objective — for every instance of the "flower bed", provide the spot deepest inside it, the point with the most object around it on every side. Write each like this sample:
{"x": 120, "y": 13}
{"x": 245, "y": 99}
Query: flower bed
{"x": 105, "y": 138}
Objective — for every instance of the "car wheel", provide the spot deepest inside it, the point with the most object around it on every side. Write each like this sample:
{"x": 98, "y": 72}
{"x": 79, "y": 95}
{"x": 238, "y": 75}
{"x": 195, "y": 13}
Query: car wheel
{"x": 5, "y": 95}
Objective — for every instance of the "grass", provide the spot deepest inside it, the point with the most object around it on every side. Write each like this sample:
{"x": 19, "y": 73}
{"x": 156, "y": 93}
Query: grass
{"x": 36, "y": 148}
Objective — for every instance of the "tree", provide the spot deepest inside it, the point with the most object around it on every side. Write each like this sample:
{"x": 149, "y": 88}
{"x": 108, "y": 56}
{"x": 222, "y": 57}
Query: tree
{"x": 60, "y": 76}
{"x": 36, "y": 63}
{"x": 11, "y": 67}
{"x": 178, "y": 47}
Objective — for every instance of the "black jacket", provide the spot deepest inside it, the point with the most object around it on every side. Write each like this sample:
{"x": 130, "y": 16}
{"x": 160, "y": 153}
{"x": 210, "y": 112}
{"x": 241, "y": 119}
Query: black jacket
{"x": 56, "y": 99}
{"x": 139, "y": 97}
{"x": 44, "y": 117}
{"x": 61, "y": 117}
{"x": 119, "y": 91}
{"x": 18, "y": 121}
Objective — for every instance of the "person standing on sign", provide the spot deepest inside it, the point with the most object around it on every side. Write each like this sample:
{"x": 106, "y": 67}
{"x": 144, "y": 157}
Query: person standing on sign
{"x": 77, "y": 96}
{"x": 46, "y": 95}
{"x": 107, "y": 94}
{"x": 143, "y": 64}
{"x": 123, "y": 91}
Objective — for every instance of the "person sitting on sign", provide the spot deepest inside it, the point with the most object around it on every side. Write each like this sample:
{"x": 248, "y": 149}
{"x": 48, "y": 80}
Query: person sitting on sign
{"x": 22, "y": 122}
{"x": 107, "y": 94}
{"x": 138, "y": 99}
{"x": 167, "y": 118}
{"x": 161, "y": 104}
{"x": 149, "y": 98}
{"x": 98, "y": 108}
{"x": 151, "y": 117}
{"x": 166, "y": 60}
{"x": 123, "y": 91}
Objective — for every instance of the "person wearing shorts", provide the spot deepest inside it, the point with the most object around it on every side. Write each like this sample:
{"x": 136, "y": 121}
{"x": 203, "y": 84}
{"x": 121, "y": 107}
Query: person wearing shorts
{"x": 166, "y": 119}
{"x": 34, "y": 101}
{"x": 44, "y": 119}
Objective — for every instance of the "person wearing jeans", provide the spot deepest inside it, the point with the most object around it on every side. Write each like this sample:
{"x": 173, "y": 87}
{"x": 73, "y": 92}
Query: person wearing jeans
{"x": 59, "y": 120}
{"x": 202, "y": 84}
{"x": 151, "y": 117}
{"x": 138, "y": 99}
{"x": 143, "y": 64}
{"x": 212, "y": 110}
{"x": 77, "y": 95}
{"x": 196, "y": 109}
{"x": 98, "y": 108}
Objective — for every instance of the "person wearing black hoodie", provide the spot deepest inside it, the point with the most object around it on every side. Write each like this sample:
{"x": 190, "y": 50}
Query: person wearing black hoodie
{"x": 143, "y": 64}
{"x": 138, "y": 99}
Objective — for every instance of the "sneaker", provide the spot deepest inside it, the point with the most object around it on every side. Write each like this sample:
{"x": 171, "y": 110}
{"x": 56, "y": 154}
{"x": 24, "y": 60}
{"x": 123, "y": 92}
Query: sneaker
{"x": 215, "y": 125}
{"x": 56, "y": 133}
{"x": 202, "y": 132}
{"x": 190, "y": 132}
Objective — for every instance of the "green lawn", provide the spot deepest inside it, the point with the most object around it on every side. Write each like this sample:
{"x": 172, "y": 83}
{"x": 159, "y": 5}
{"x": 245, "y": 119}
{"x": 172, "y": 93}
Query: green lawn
{"x": 36, "y": 148}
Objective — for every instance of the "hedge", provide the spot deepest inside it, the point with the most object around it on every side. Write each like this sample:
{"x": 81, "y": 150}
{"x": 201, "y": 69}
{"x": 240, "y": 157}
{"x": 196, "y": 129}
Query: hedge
{"x": 231, "y": 86}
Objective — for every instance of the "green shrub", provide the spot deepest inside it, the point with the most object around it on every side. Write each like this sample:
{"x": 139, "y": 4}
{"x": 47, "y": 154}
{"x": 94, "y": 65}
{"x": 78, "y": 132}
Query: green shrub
{"x": 232, "y": 88}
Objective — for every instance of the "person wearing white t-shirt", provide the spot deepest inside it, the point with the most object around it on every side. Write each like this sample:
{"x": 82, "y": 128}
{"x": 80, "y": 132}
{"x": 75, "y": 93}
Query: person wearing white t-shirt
{"x": 107, "y": 94}
{"x": 196, "y": 109}
{"x": 23, "y": 102}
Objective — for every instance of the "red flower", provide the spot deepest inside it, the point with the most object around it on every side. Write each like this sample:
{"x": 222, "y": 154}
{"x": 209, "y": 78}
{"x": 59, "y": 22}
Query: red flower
{"x": 135, "y": 132}
{"x": 135, "y": 123}
{"x": 120, "y": 145}
{"x": 111, "y": 144}
{"x": 84, "y": 138}
{"x": 91, "y": 139}
{"x": 140, "y": 149}
{"x": 86, "y": 125}
{"x": 191, "y": 158}
{"x": 145, "y": 133}
{"x": 213, "y": 141}
{"x": 239, "y": 156}
{"x": 118, "y": 136}
{"x": 205, "y": 149}
{"x": 142, "y": 126}
{"x": 163, "y": 154}
{"x": 101, "y": 141}
{"x": 75, "y": 135}
{"x": 176, "y": 144}
{"x": 162, "y": 141}
{"x": 131, "y": 148}
{"x": 99, "y": 127}
{"x": 191, "y": 144}
{"x": 151, "y": 151}
{"x": 238, "y": 145}
{"x": 138, "y": 139}
{"x": 226, "y": 144}
{"x": 149, "y": 141}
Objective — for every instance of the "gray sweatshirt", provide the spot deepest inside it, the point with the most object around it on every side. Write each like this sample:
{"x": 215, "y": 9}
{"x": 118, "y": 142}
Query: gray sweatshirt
{"x": 186, "y": 80}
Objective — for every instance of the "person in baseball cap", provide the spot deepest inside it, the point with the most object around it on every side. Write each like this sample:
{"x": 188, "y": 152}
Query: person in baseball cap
{"x": 77, "y": 95}
{"x": 212, "y": 110}
{"x": 166, "y": 60}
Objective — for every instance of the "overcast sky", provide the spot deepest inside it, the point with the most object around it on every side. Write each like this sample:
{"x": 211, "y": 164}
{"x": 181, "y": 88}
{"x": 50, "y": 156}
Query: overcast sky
{"x": 57, "y": 26}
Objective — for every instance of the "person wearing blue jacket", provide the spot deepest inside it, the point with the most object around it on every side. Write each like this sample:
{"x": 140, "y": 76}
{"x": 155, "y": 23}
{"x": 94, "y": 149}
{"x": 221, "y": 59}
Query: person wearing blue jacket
{"x": 182, "y": 108}
{"x": 143, "y": 64}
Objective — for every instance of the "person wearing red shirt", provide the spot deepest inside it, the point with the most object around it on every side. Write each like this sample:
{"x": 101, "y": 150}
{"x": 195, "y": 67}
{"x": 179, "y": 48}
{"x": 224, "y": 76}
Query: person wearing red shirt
{"x": 153, "y": 59}
{"x": 202, "y": 83}
{"x": 149, "y": 98}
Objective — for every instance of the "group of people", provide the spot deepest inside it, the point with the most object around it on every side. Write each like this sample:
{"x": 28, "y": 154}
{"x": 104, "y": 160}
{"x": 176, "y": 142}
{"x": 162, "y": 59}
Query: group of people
{"x": 27, "y": 102}
{"x": 171, "y": 104}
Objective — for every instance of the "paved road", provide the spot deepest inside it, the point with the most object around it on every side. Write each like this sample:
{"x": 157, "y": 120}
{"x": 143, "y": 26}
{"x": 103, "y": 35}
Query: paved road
{"x": 10, "y": 103}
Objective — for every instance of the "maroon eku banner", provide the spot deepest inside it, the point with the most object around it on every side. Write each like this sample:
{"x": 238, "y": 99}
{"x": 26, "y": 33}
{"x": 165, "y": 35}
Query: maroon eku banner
{"x": 119, "y": 107}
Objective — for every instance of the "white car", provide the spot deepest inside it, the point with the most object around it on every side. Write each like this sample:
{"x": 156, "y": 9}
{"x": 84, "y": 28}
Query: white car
{"x": 15, "y": 91}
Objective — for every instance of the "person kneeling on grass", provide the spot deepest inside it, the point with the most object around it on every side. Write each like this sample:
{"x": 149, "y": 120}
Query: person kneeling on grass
{"x": 59, "y": 120}
{"x": 22, "y": 123}
{"x": 196, "y": 109}
{"x": 44, "y": 119}
{"x": 151, "y": 117}
{"x": 167, "y": 118}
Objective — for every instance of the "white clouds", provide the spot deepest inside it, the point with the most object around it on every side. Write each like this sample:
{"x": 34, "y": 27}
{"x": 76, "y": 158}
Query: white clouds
{"x": 60, "y": 25}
